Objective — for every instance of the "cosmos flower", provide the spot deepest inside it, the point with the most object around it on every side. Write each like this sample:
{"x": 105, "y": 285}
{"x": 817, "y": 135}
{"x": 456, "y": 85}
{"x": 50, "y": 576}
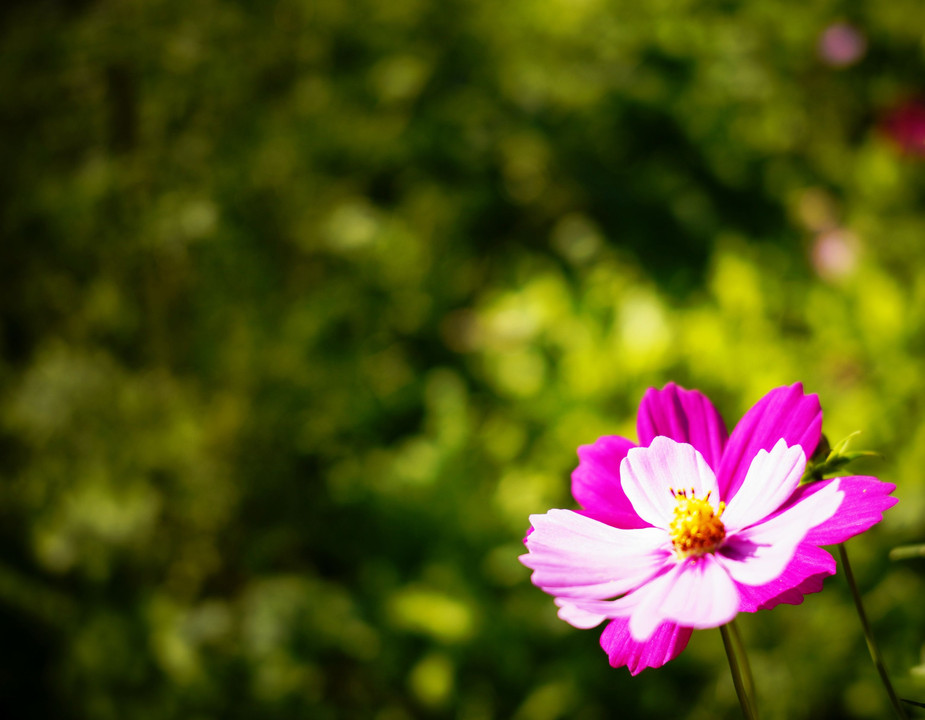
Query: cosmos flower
{"x": 693, "y": 525}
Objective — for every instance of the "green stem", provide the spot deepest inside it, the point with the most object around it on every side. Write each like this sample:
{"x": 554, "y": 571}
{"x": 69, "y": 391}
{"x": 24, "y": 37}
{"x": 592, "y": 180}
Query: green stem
{"x": 746, "y": 702}
{"x": 905, "y": 552}
{"x": 748, "y": 678}
{"x": 869, "y": 636}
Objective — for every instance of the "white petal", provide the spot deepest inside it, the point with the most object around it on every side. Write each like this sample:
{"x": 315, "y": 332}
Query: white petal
{"x": 649, "y": 474}
{"x": 576, "y": 616}
{"x": 697, "y": 593}
{"x": 574, "y": 556}
{"x": 771, "y": 479}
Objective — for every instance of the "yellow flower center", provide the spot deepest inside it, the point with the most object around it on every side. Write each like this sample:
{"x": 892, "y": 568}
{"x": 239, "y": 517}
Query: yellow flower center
{"x": 695, "y": 529}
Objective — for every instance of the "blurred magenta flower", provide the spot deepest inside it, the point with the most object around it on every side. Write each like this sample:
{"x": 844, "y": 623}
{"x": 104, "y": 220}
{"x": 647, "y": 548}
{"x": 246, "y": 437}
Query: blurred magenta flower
{"x": 905, "y": 125}
{"x": 841, "y": 45}
{"x": 694, "y": 525}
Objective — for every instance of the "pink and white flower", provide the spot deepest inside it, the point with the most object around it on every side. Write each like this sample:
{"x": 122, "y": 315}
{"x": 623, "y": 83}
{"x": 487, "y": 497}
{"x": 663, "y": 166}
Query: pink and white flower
{"x": 693, "y": 525}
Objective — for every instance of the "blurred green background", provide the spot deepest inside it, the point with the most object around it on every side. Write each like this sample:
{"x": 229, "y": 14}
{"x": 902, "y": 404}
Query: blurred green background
{"x": 306, "y": 305}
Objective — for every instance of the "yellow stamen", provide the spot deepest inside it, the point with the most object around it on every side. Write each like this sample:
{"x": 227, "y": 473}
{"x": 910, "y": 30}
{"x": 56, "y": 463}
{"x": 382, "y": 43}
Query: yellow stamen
{"x": 695, "y": 529}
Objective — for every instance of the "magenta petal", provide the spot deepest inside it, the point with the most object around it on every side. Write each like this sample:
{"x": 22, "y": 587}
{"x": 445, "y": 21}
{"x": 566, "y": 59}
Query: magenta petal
{"x": 795, "y": 595}
{"x": 803, "y": 575}
{"x": 683, "y": 415}
{"x": 596, "y": 482}
{"x": 865, "y": 500}
{"x": 786, "y": 413}
{"x": 666, "y": 644}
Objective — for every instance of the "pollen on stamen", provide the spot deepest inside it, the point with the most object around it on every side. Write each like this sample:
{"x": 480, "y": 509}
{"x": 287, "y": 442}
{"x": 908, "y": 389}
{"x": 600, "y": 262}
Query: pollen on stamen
{"x": 696, "y": 529}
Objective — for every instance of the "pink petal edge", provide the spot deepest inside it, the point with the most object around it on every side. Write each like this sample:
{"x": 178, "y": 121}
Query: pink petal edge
{"x": 665, "y": 644}
{"x": 785, "y": 412}
{"x": 596, "y": 482}
{"x": 866, "y": 499}
{"x": 686, "y": 416}
{"x": 809, "y": 566}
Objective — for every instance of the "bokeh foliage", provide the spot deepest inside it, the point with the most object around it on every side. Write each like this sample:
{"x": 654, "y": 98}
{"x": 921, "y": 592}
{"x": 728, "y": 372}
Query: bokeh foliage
{"x": 306, "y": 305}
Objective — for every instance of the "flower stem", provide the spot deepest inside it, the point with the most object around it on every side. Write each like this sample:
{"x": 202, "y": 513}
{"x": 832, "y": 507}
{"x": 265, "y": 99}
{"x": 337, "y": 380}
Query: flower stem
{"x": 747, "y": 676}
{"x": 869, "y": 636}
{"x": 745, "y": 700}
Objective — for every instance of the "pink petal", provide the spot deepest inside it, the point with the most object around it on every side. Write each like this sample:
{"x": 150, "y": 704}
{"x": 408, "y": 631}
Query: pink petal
{"x": 866, "y": 498}
{"x": 696, "y": 592}
{"x": 576, "y": 615}
{"x": 771, "y": 479}
{"x": 795, "y": 595}
{"x": 683, "y": 415}
{"x": 573, "y": 556}
{"x": 665, "y": 644}
{"x": 786, "y": 413}
{"x": 760, "y": 554}
{"x": 596, "y": 482}
{"x": 586, "y": 610}
{"x": 808, "y": 568}
{"x": 649, "y": 473}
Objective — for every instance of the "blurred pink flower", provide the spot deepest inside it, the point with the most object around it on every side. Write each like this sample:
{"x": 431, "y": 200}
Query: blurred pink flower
{"x": 841, "y": 45}
{"x": 835, "y": 253}
{"x": 905, "y": 125}
{"x": 694, "y": 525}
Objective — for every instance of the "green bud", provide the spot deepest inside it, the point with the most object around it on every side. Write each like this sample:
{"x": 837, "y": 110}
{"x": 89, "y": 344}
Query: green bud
{"x": 827, "y": 462}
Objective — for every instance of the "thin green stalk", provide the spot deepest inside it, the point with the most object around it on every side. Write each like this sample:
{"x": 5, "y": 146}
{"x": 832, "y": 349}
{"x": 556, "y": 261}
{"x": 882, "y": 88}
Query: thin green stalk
{"x": 747, "y": 676}
{"x": 906, "y": 552}
{"x": 869, "y": 636}
{"x": 748, "y": 706}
